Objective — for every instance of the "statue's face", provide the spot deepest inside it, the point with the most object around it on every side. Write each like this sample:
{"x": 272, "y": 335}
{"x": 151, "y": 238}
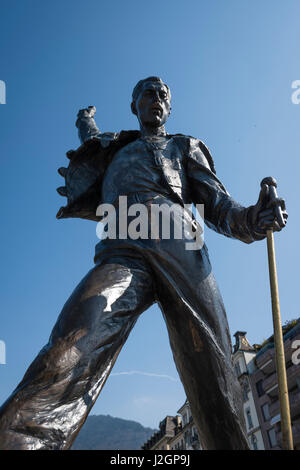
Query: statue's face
{"x": 152, "y": 105}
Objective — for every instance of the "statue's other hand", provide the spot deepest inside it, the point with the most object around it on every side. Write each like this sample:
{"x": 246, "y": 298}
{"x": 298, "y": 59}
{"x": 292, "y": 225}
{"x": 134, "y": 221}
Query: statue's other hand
{"x": 88, "y": 112}
{"x": 268, "y": 213}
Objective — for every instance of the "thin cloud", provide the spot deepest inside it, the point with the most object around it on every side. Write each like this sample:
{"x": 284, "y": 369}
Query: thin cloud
{"x": 149, "y": 374}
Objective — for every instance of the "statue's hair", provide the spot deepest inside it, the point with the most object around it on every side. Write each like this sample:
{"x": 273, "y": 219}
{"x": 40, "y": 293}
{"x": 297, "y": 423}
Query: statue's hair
{"x": 139, "y": 85}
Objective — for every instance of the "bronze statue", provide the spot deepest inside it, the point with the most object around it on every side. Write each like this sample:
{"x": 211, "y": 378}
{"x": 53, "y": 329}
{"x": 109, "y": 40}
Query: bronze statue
{"x": 49, "y": 406}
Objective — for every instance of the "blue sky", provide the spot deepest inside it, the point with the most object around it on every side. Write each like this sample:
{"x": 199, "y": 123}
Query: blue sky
{"x": 230, "y": 66}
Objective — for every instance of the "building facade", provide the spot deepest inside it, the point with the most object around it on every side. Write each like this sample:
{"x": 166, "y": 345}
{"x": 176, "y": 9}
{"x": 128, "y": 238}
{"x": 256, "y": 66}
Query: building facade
{"x": 175, "y": 432}
{"x": 244, "y": 365}
{"x": 187, "y": 437}
{"x": 255, "y": 367}
{"x": 265, "y": 387}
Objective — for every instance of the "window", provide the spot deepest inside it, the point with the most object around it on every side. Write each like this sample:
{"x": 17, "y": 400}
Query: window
{"x": 194, "y": 438}
{"x": 272, "y": 437}
{"x": 249, "y": 419}
{"x": 187, "y": 438}
{"x": 259, "y": 388}
{"x": 245, "y": 389}
{"x": 265, "y": 411}
{"x": 237, "y": 369}
{"x": 254, "y": 442}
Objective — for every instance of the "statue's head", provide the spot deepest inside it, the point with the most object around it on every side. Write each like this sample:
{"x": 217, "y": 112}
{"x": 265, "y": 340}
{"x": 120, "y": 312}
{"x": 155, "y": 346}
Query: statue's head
{"x": 151, "y": 102}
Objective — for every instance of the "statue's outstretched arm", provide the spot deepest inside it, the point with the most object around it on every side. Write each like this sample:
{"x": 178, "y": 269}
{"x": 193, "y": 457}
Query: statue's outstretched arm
{"x": 86, "y": 124}
{"x": 223, "y": 214}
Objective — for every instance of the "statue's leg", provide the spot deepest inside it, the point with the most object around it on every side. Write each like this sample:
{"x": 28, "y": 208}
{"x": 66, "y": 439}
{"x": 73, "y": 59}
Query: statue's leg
{"x": 49, "y": 406}
{"x": 201, "y": 345}
{"x": 200, "y": 341}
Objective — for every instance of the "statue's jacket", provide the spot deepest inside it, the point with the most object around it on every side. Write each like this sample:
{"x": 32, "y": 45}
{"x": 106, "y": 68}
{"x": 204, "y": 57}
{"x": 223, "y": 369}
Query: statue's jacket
{"x": 190, "y": 177}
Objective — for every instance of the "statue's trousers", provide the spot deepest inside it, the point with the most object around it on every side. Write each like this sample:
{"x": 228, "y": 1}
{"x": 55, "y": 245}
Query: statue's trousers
{"x": 49, "y": 406}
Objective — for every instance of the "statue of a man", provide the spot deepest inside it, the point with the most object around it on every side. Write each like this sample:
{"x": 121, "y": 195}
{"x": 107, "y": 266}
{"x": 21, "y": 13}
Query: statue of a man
{"x": 49, "y": 406}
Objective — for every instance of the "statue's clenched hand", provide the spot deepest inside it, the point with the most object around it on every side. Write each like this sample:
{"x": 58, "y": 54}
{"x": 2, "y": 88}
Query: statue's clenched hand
{"x": 85, "y": 122}
{"x": 269, "y": 212}
{"x": 88, "y": 112}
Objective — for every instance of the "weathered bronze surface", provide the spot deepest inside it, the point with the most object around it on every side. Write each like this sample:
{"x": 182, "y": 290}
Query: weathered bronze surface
{"x": 49, "y": 406}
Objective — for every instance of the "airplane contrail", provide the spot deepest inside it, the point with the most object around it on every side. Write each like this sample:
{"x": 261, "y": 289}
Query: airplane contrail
{"x": 149, "y": 374}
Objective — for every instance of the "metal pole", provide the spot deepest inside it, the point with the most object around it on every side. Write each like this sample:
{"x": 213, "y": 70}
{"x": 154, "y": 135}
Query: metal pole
{"x": 286, "y": 429}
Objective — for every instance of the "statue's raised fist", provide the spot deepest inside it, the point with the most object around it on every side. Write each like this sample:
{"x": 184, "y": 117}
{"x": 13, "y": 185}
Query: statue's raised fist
{"x": 88, "y": 112}
{"x": 85, "y": 122}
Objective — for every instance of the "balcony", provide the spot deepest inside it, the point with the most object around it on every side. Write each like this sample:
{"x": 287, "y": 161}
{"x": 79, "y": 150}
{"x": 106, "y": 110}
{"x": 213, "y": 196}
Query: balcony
{"x": 294, "y": 399}
{"x": 270, "y": 385}
{"x": 292, "y": 373}
{"x": 268, "y": 367}
{"x": 296, "y": 435}
{"x": 274, "y": 409}
{"x": 264, "y": 360}
{"x": 295, "y": 403}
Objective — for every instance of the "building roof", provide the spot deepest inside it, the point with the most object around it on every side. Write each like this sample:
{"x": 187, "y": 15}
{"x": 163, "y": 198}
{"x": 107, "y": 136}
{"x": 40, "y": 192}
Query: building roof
{"x": 241, "y": 342}
{"x": 183, "y": 406}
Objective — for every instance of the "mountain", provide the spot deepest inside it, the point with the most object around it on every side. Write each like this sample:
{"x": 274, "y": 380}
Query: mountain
{"x": 101, "y": 432}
